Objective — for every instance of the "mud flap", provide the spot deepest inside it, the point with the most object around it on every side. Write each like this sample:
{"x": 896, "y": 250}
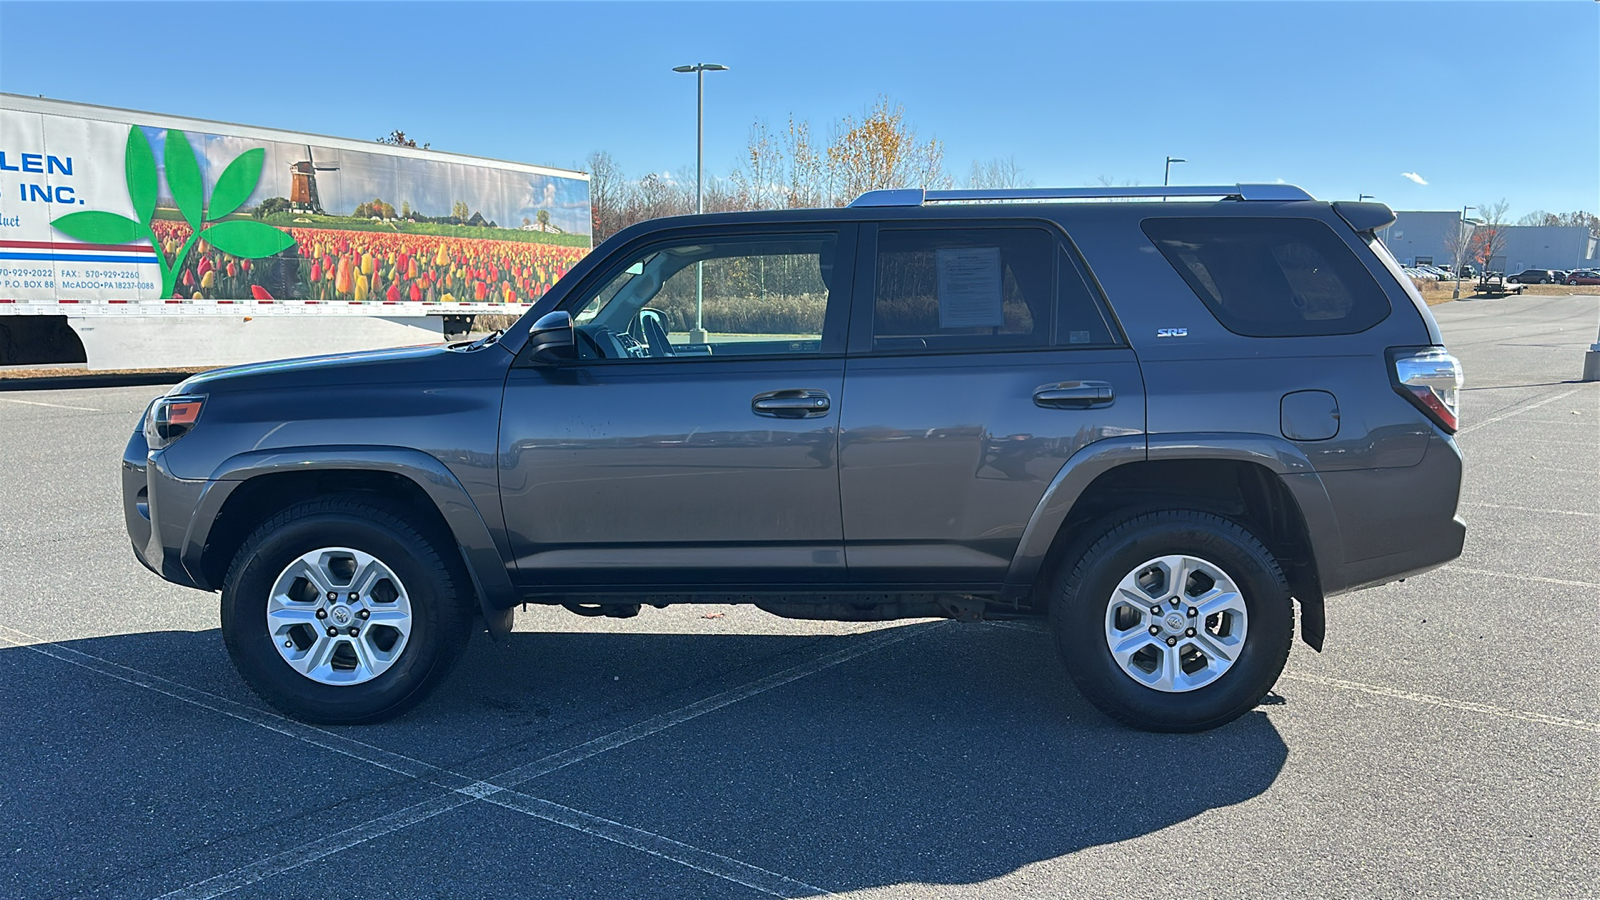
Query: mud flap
{"x": 1313, "y": 622}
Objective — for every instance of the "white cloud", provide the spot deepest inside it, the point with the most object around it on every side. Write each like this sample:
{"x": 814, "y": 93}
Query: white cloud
{"x": 1414, "y": 177}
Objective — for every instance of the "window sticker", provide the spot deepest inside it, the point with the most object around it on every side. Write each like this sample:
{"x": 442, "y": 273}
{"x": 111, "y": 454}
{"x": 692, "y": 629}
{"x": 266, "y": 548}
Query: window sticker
{"x": 969, "y": 288}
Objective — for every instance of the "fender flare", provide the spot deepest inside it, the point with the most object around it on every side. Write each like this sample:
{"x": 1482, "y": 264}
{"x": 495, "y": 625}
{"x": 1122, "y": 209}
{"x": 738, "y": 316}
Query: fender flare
{"x": 490, "y": 580}
{"x": 1275, "y": 454}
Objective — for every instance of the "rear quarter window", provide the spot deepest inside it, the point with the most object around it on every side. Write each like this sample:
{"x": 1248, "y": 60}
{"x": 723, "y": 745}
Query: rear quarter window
{"x": 1271, "y": 277}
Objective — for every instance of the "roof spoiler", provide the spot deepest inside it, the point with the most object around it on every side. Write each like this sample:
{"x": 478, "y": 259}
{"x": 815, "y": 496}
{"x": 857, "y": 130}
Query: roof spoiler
{"x": 1364, "y": 217}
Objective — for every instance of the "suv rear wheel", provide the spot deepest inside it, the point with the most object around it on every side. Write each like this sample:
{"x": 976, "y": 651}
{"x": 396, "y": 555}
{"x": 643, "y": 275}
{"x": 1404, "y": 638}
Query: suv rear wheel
{"x": 339, "y": 611}
{"x": 1174, "y": 621}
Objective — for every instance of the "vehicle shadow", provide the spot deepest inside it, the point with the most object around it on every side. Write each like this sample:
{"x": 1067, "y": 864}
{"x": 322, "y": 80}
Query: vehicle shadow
{"x": 955, "y": 756}
{"x": 958, "y": 755}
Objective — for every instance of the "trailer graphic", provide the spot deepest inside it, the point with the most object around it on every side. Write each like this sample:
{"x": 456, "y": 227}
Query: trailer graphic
{"x": 209, "y": 220}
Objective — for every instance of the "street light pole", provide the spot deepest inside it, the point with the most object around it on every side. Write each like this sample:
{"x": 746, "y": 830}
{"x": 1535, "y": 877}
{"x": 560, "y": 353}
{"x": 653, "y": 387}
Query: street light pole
{"x": 1361, "y": 197}
{"x": 698, "y": 334}
{"x": 1461, "y": 246}
{"x": 1166, "y": 174}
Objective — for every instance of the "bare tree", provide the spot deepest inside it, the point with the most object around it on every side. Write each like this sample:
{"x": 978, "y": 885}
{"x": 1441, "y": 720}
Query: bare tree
{"x": 1575, "y": 218}
{"x": 757, "y": 180}
{"x": 806, "y": 177}
{"x": 1491, "y": 239}
{"x": 1461, "y": 244}
{"x": 1105, "y": 181}
{"x": 998, "y": 173}
{"x": 398, "y": 138}
{"x": 605, "y": 194}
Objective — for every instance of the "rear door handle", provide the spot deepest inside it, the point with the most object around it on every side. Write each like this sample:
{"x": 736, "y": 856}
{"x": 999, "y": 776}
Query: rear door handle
{"x": 795, "y": 403}
{"x": 1074, "y": 395}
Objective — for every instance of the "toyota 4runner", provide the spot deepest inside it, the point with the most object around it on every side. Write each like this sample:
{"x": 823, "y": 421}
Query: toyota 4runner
{"x": 1160, "y": 424}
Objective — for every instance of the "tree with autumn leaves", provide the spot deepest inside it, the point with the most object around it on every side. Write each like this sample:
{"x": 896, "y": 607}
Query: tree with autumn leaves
{"x": 792, "y": 167}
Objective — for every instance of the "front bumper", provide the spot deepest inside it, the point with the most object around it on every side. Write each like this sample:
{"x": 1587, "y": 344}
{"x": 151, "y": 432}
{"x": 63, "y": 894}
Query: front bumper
{"x": 147, "y": 490}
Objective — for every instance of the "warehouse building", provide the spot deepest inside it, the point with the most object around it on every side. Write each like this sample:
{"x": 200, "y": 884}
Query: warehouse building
{"x": 1422, "y": 237}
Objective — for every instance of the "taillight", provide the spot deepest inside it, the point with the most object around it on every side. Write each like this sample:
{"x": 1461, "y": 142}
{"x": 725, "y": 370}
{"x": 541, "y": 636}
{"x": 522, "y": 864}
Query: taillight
{"x": 171, "y": 418}
{"x": 1431, "y": 379}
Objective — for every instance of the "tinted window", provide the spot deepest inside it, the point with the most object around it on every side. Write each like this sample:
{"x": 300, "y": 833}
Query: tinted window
{"x": 712, "y": 297}
{"x": 1272, "y": 277}
{"x": 1080, "y": 321}
{"x": 963, "y": 288}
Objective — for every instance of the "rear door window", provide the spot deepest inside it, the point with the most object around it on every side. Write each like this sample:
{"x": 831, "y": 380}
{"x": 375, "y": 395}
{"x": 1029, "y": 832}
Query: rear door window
{"x": 1276, "y": 277}
{"x": 963, "y": 289}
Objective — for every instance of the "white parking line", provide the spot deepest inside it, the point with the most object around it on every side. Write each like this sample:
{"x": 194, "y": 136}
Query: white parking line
{"x": 327, "y": 740}
{"x": 1516, "y": 412}
{"x": 463, "y": 790}
{"x": 1526, "y": 438}
{"x": 1539, "y": 578}
{"x": 1463, "y": 705}
{"x": 51, "y": 405}
{"x": 324, "y": 846}
{"x": 1554, "y": 512}
{"x": 650, "y": 726}
{"x": 770, "y": 883}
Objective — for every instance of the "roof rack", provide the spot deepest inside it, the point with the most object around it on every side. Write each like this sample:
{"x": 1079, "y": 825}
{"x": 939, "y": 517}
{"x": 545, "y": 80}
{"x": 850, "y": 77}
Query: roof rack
{"x": 918, "y": 196}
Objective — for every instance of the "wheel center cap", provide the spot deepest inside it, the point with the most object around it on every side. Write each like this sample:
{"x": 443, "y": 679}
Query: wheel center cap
{"x": 1174, "y": 622}
{"x": 341, "y": 615}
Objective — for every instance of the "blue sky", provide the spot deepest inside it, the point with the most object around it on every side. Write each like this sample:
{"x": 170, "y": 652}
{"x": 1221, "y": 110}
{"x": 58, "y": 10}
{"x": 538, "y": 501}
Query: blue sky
{"x": 1340, "y": 98}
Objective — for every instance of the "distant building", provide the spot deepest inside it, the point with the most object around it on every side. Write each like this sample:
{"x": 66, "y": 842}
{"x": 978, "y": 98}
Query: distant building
{"x": 1549, "y": 247}
{"x": 1422, "y": 237}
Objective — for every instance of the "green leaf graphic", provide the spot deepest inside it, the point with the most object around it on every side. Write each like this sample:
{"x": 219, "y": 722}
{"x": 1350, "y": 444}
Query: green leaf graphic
{"x": 183, "y": 177}
{"x": 98, "y": 227}
{"x": 235, "y": 185}
{"x": 143, "y": 182}
{"x": 251, "y": 240}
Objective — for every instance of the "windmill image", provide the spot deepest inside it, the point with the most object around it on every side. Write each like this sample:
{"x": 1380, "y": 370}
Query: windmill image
{"x": 303, "y": 184}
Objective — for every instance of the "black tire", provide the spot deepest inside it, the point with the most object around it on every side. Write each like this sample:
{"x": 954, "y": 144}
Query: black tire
{"x": 439, "y": 592}
{"x": 1083, "y": 589}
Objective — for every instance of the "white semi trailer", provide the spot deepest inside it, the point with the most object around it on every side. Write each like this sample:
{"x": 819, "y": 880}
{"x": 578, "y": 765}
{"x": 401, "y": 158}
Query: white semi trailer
{"x": 132, "y": 240}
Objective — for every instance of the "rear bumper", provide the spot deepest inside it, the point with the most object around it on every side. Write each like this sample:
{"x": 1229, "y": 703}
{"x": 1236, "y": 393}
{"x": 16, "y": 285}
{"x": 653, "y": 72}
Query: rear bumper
{"x": 1397, "y": 522}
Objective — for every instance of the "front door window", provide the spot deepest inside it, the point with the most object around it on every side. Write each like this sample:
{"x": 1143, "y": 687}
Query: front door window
{"x": 737, "y": 297}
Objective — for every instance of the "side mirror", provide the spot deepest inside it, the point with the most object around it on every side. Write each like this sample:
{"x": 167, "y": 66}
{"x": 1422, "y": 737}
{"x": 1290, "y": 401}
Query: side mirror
{"x": 551, "y": 339}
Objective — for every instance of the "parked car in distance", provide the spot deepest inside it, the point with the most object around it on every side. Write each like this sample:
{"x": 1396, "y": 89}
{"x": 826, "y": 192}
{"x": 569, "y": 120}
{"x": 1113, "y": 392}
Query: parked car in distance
{"x": 1558, "y": 276}
{"x": 1532, "y": 276}
{"x": 1467, "y": 270}
{"x": 1583, "y": 276}
{"x": 1437, "y": 272}
{"x": 1160, "y": 427}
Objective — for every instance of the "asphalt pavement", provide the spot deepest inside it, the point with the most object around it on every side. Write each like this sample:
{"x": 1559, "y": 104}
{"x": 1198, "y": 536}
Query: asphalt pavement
{"x": 1445, "y": 744}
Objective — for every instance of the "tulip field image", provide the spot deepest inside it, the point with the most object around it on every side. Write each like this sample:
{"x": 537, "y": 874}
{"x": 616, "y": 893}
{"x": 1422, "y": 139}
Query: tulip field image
{"x": 234, "y": 217}
{"x": 331, "y": 265}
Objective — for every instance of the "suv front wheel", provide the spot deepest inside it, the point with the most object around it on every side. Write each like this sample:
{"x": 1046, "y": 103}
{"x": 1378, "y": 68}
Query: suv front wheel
{"x": 1174, "y": 621}
{"x": 338, "y": 611}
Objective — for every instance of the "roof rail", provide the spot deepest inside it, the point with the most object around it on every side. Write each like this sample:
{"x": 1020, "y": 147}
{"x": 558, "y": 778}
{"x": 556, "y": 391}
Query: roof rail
{"x": 919, "y": 197}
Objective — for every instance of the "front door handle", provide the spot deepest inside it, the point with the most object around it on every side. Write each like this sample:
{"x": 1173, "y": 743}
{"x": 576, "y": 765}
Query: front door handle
{"x": 1074, "y": 395}
{"x": 792, "y": 404}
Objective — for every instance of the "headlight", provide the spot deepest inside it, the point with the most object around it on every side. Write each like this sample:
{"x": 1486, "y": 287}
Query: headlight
{"x": 171, "y": 418}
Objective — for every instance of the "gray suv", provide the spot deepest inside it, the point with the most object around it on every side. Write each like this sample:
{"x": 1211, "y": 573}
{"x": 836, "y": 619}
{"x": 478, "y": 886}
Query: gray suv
{"x": 1158, "y": 423}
